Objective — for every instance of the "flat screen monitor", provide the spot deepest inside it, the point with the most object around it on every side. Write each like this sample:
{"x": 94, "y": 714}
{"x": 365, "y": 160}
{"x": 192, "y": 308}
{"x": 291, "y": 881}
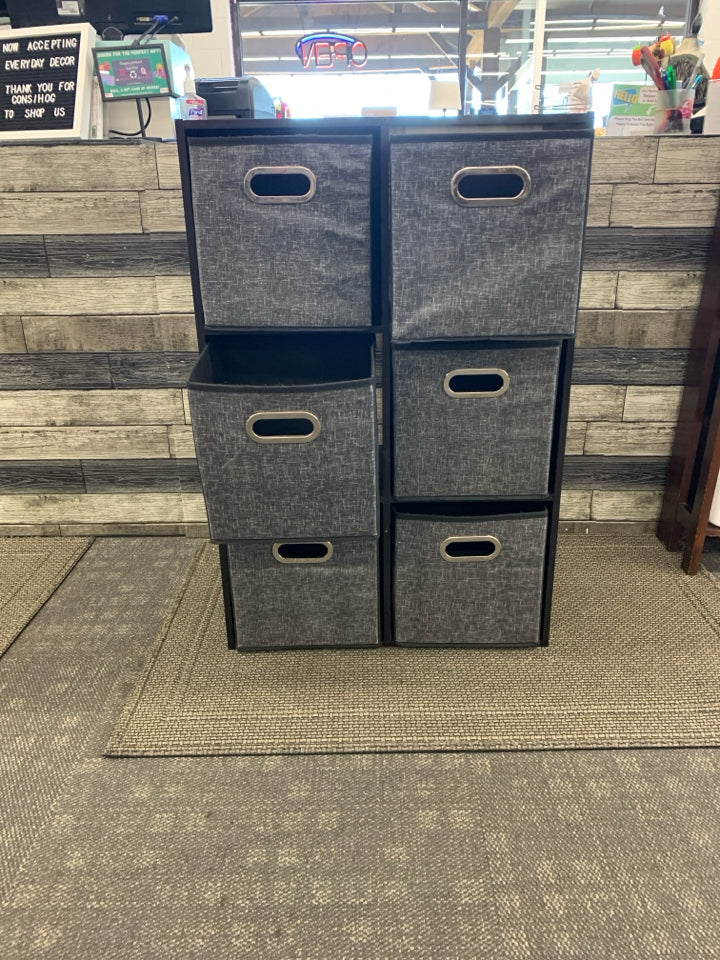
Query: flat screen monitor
{"x": 125, "y": 16}
{"x": 135, "y": 16}
{"x": 45, "y": 13}
{"x": 126, "y": 73}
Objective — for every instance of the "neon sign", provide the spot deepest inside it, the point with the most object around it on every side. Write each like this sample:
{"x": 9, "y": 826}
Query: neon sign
{"x": 328, "y": 50}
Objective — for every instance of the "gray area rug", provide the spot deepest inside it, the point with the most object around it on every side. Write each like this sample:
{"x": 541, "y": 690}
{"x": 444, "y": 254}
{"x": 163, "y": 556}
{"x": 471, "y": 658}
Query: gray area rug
{"x": 32, "y": 568}
{"x": 66, "y": 677}
{"x": 563, "y": 855}
{"x": 589, "y": 855}
{"x": 634, "y": 660}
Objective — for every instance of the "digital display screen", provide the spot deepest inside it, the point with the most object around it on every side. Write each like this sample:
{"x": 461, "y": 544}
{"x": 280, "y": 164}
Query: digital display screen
{"x": 126, "y": 73}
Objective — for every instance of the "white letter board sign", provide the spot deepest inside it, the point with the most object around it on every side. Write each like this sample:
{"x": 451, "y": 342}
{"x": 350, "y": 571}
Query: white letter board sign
{"x": 46, "y": 82}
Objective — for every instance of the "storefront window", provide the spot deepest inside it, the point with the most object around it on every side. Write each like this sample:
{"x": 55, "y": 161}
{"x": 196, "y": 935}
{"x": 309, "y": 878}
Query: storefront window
{"x": 522, "y": 56}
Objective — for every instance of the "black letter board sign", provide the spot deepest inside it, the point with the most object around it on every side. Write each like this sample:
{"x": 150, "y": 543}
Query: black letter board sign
{"x": 46, "y": 82}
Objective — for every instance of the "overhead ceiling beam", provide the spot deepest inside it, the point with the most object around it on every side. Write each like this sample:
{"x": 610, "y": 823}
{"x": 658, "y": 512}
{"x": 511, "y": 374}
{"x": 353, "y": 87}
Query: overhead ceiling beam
{"x": 445, "y": 47}
{"x": 499, "y": 11}
{"x": 476, "y": 46}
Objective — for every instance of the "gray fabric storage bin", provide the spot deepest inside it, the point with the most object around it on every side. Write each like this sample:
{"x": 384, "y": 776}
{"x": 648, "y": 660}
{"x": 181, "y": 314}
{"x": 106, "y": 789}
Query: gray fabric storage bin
{"x": 496, "y": 443}
{"x": 286, "y": 436}
{"x": 325, "y": 602}
{"x": 264, "y": 263}
{"x": 467, "y": 600}
{"x": 498, "y": 270}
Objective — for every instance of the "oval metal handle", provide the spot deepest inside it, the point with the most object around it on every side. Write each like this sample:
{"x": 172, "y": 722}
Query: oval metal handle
{"x": 280, "y": 184}
{"x": 470, "y": 549}
{"x": 490, "y": 186}
{"x": 476, "y": 382}
{"x": 283, "y": 426}
{"x": 314, "y": 551}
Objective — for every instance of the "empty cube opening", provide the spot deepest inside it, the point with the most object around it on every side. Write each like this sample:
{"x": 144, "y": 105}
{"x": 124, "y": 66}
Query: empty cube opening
{"x": 292, "y": 359}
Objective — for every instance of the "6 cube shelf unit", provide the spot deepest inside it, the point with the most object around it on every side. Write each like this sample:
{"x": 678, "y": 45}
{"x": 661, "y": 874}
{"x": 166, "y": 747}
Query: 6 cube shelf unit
{"x": 386, "y": 312}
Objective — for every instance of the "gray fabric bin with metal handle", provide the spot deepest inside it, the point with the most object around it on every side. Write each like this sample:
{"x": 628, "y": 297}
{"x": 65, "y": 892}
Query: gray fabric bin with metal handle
{"x": 305, "y": 594}
{"x": 487, "y": 236}
{"x": 474, "y": 421}
{"x": 282, "y": 231}
{"x": 286, "y": 436}
{"x": 464, "y": 581}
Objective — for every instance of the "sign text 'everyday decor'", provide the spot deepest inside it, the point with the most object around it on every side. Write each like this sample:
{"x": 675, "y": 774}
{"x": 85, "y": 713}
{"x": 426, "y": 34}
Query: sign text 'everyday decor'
{"x": 44, "y": 82}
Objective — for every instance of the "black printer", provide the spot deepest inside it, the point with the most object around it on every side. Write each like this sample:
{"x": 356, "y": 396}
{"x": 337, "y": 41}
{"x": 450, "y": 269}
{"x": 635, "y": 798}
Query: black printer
{"x": 242, "y": 97}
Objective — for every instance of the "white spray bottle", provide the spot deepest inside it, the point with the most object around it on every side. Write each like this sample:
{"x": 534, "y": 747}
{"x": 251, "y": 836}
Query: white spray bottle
{"x": 192, "y": 107}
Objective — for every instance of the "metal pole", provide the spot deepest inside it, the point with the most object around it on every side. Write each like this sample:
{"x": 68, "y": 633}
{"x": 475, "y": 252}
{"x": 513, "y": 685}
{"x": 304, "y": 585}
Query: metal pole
{"x": 538, "y": 47}
{"x": 462, "y": 56}
{"x": 236, "y": 26}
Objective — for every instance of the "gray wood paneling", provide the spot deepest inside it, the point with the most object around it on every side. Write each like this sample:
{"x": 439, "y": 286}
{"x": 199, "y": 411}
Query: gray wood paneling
{"x": 143, "y": 333}
{"x": 100, "y": 529}
{"x": 108, "y": 476}
{"x": 31, "y": 530}
{"x": 193, "y": 505}
{"x": 23, "y": 256}
{"x": 52, "y": 371}
{"x": 80, "y": 167}
{"x": 598, "y": 289}
{"x": 650, "y": 404}
{"x": 635, "y": 328}
{"x": 688, "y": 160}
{"x": 625, "y": 505}
{"x": 64, "y": 296}
{"x": 151, "y": 369}
{"x": 663, "y": 367}
{"x": 658, "y": 291}
{"x": 590, "y": 402}
{"x": 599, "y": 205}
{"x": 74, "y": 213}
{"x": 162, "y": 211}
{"x": 663, "y": 206}
{"x": 575, "y": 504}
{"x": 84, "y": 443}
{"x": 92, "y": 508}
{"x": 182, "y": 443}
{"x": 133, "y": 255}
{"x": 614, "y": 473}
{"x": 630, "y": 439}
{"x": 168, "y": 166}
{"x": 201, "y": 530}
{"x": 41, "y": 476}
{"x": 575, "y": 441}
{"x": 630, "y": 248}
{"x": 174, "y": 294}
{"x": 616, "y": 160}
{"x": 12, "y": 339}
{"x": 64, "y": 408}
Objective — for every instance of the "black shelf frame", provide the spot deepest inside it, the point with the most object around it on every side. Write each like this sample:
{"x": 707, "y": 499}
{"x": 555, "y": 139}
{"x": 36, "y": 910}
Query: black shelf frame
{"x": 382, "y": 131}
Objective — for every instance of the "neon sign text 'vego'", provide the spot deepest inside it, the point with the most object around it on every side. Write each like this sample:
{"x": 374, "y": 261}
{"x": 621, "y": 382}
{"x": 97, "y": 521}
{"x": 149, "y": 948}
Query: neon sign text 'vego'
{"x": 328, "y": 50}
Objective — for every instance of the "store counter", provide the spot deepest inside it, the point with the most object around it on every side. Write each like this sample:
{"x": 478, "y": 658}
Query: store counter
{"x": 97, "y": 335}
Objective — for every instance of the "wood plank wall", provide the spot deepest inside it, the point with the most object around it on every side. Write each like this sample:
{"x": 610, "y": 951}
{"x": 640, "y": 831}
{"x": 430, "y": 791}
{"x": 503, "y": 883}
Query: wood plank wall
{"x": 97, "y": 335}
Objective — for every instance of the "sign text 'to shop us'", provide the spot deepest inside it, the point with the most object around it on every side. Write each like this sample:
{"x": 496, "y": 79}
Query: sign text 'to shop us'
{"x": 329, "y": 50}
{"x": 46, "y": 82}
